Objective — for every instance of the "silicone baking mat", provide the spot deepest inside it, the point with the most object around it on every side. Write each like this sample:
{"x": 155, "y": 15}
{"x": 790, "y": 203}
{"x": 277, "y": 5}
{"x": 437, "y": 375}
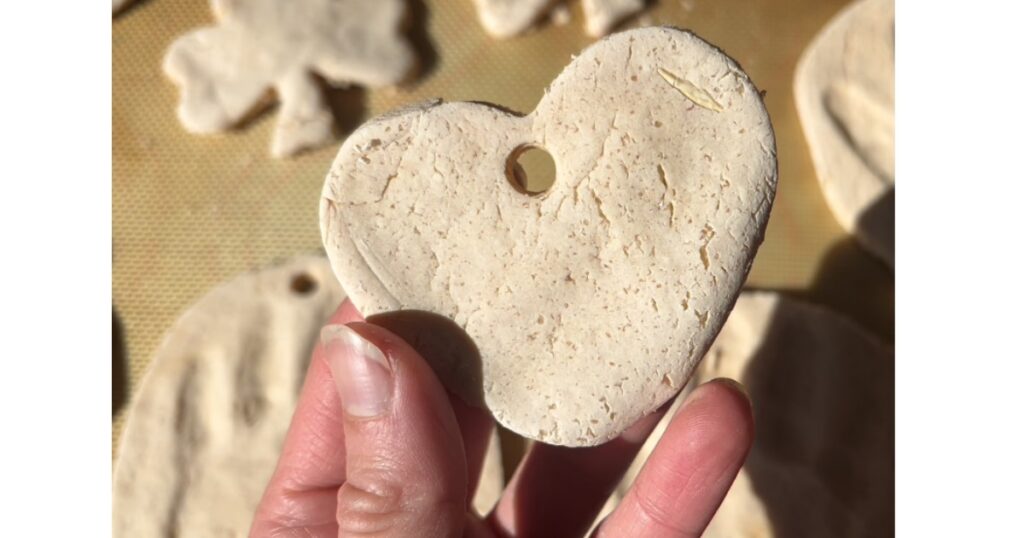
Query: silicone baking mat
{"x": 191, "y": 211}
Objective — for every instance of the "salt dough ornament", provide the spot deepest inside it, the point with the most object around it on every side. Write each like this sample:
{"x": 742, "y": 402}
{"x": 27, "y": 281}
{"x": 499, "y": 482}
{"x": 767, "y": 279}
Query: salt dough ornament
{"x": 587, "y": 306}
{"x": 507, "y": 18}
{"x": 226, "y": 72}
{"x": 822, "y": 392}
{"x": 206, "y": 424}
{"x": 845, "y": 90}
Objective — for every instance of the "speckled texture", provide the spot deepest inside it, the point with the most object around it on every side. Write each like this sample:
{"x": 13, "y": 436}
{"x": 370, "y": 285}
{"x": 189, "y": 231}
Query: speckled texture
{"x": 617, "y": 278}
{"x": 845, "y": 94}
{"x": 507, "y": 18}
{"x": 226, "y": 72}
{"x": 205, "y": 428}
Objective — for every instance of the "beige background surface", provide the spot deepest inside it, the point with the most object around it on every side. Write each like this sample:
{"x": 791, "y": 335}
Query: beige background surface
{"x": 191, "y": 211}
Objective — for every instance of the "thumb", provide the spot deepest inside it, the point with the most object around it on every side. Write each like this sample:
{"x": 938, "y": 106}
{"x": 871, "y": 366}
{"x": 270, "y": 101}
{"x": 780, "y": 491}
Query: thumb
{"x": 405, "y": 465}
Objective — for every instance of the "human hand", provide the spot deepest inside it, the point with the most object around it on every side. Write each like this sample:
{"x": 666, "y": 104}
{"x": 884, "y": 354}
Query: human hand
{"x": 377, "y": 447}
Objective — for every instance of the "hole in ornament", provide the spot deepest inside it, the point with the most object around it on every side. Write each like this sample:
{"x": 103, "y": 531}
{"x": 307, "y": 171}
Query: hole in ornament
{"x": 531, "y": 170}
{"x": 303, "y": 284}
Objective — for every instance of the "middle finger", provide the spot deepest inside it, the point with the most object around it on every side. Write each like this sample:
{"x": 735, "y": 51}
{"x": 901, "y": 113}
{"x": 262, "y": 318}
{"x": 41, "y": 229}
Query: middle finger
{"x": 558, "y": 491}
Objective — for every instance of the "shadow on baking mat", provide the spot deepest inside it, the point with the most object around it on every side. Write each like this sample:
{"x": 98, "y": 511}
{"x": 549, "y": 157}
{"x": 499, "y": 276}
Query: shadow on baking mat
{"x": 416, "y": 21}
{"x": 448, "y": 349}
{"x": 856, "y": 284}
{"x": 879, "y": 223}
{"x": 119, "y": 367}
{"x": 126, "y": 7}
{"x": 823, "y": 463}
{"x": 348, "y": 106}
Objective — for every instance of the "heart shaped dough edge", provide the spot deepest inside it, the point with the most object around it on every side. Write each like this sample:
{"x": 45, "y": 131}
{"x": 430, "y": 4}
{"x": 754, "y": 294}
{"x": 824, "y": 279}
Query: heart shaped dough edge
{"x": 587, "y": 306}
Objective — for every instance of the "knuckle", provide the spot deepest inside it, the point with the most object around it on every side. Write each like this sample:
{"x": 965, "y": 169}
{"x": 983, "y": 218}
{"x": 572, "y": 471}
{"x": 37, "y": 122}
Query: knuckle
{"x": 380, "y": 503}
{"x": 660, "y": 516}
{"x": 283, "y": 514}
{"x": 370, "y": 507}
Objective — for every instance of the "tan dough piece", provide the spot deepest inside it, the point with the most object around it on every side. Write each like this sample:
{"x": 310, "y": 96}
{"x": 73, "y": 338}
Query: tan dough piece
{"x": 560, "y": 15}
{"x": 207, "y": 421}
{"x": 844, "y": 92}
{"x": 587, "y": 306}
{"x": 822, "y": 389}
{"x": 120, "y": 4}
{"x": 603, "y": 15}
{"x": 492, "y": 478}
{"x": 507, "y": 18}
{"x": 227, "y": 72}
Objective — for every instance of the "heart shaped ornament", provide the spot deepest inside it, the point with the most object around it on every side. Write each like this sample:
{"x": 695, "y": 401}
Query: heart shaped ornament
{"x": 572, "y": 313}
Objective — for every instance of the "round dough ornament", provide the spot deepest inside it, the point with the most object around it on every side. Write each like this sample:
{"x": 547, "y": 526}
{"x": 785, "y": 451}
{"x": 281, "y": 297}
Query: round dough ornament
{"x": 206, "y": 425}
{"x": 845, "y": 95}
{"x": 573, "y": 312}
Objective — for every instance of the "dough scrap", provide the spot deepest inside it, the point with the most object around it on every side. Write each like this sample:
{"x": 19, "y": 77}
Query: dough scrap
{"x": 845, "y": 93}
{"x": 226, "y": 72}
{"x": 603, "y": 15}
{"x": 560, "y": 15}
{"x": 616, "y": 278}
{"x": 507, "y": 18}
{"x": 822, "y": 389}
{"x": 120, "y": 4}
{"x": 207, "y": 422}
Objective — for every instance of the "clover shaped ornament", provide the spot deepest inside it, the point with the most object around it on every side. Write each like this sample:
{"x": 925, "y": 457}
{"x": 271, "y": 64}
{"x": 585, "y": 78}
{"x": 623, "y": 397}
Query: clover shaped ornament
{"x": 571, "y": 313}
{"x": 228, "y": 72}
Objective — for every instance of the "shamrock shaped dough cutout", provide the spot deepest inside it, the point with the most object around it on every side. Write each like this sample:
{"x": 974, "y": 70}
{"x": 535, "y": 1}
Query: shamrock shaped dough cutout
{"x": 507, "y": 18}
{"x": 227, "y": 71}
{"x": 572, "y": 313}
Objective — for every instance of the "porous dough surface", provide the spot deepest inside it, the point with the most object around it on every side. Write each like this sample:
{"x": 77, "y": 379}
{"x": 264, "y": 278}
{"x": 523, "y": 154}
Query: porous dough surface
{"x": 508, "y": 18}
{"x": 845, "y": 95}
{"x": 822, "y": 390}
{"x": 260, "y": 50}
{"x": 206, "y": 425}
{"x": 589, "y": 304}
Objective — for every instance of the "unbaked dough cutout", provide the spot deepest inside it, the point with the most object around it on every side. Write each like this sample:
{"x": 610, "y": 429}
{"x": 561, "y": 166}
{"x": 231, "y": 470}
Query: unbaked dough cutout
{"x": 507, "y": 18}
{"x": 205, "y": 428}
{"x": 822, "y": 390}
{"x": 845, "y": 97}
{"x": 571, "y": 313}
{"x": 262, "y": 49}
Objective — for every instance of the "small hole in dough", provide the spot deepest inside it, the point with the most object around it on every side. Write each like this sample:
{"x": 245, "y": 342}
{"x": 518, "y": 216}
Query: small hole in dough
{"x": 531, "y": 170}
{"x": 303, "y": 284}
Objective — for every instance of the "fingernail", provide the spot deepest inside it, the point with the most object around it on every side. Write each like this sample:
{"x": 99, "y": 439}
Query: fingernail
{"x": 734, "y": 384}
{"x": 360, "y": 369}
{"x": 701, "y": 391}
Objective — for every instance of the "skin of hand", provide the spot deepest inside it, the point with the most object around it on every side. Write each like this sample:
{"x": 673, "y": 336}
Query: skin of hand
{"x": 377, "y": 447}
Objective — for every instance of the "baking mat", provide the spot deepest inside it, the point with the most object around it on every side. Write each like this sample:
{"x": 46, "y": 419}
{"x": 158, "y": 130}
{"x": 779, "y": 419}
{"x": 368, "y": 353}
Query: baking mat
{"x": 191, "y": 211}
